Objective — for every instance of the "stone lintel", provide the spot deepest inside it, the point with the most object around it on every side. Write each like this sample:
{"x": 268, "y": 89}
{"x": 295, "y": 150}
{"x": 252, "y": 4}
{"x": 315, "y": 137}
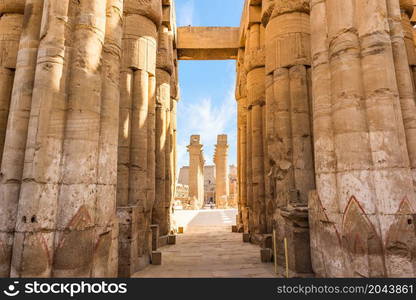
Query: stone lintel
{"x": 208, "y": 43}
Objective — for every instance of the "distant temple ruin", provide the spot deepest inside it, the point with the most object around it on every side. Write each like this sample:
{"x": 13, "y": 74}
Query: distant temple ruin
{"x": 207, "y": 185}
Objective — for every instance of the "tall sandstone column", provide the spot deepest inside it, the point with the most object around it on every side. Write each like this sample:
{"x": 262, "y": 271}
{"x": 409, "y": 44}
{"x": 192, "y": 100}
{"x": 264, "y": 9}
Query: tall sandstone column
{"x": 254, "y": 65}
{"x": 289, "y": 130}
{"x": 66, "y": 225}
{"x": 140, "y": 33}
{"x": 161, "y": 211}
{"x": 11, "y": 23}
{"x": 196, "y": 172}
{"x": 222, "y": 185}
{"x": 19, "y": 44}
{"x": 362, "y": 213}
{"x": 241, "y": 96}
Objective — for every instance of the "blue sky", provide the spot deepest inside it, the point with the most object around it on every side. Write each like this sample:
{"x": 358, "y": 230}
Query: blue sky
{"x": 207, "y": 106}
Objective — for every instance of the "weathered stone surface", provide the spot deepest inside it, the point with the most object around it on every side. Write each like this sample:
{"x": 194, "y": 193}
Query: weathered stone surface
{"x": 222, "y": 187}
{"x": 196, "y": 173}
{"x": 326, "y": 134}
{"x": 156, "y": 258}
{"x": 208, "y": 43}
{"x": 364, "y": 178}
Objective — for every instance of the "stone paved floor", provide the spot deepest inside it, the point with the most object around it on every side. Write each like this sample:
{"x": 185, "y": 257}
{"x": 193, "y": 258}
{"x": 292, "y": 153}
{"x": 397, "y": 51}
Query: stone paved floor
{"x": 209, "y": 249}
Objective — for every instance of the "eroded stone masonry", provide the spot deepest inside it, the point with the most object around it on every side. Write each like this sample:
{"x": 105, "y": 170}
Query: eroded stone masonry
{"x": 326, "y": 134}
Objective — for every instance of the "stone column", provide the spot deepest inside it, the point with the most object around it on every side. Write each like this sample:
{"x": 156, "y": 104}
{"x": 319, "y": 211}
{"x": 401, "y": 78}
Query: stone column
{"x": 241, "y": 96}
{"x": 222, "y": 185}
{"x": 196, "y": 172}
{"x": 140, "y": 33}
{"x": 371, "y": 207}
{"x": 103, "y": 265}
{"x": 163, "y": 77}
{"x": 289, "y": 132}
{"x": 254, "y": 64}
{"x": 249, "y": 172}
{"x": 63, "y": 228}
{"x": 15, "y": 102}
{"x": 175, "y": 95}
{"x": 11, "y": 22}
{"x": 151, "y": 145}
{"x": 168, "y": 162}
{"x": 405, "y": 69}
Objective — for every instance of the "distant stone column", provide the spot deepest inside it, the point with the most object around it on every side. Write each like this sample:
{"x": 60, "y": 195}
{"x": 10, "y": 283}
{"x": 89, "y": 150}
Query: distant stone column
{"x": 222, "y": 185}
{"x": 254, "y": 64}
{"x": 196, "y": 172}
{"x": 140, "y": 33}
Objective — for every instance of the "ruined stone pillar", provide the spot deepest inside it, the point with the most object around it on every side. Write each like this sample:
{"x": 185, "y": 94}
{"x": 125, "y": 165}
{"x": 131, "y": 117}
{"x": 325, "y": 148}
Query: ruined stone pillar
{"x": 65, "y": 222}
{"x": 365, "y": 196}
{"x": 289, "y": 132}
{"x": 254, "y": 64}
{"x": 140, "y": 33}
{"x": 19, "y": 49}
{"x": 196, "y": 172}
{"x": 163, "y": 77}
{"x": 222, "y": 185}
{"x": 11, "y": 22}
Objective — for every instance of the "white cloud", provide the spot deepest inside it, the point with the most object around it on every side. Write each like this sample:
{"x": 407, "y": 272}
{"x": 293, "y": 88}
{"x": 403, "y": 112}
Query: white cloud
{"x": 206, "y": 119}
{"x": 186, "y": 13}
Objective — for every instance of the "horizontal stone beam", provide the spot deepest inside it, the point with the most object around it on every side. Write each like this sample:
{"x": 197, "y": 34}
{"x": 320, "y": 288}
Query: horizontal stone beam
{"x": 208, "y": 43}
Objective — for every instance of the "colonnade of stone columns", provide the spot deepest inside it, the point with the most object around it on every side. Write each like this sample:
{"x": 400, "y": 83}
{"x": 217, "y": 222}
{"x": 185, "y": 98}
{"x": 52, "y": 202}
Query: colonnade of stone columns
{"x": 79, "y": 160}
{"x": 134, "y": 194}
{"x": 337, "y": 143}
{"x": 11, "y": 32}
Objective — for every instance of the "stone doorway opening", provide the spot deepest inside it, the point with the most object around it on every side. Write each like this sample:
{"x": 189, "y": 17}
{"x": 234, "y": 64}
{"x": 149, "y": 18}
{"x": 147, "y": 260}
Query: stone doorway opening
{"x": 206, "y": 136}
